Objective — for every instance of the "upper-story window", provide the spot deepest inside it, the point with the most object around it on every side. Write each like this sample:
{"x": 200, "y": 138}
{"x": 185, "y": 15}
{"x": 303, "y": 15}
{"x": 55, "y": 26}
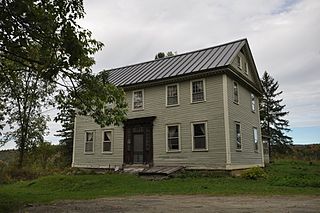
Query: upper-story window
{"x": 198, "y": 91}
{"x": 137, "y": 100}
{"x": 239, "y": 62}
{"x": 235, "y": 92}
{"x": 89, "y": 141}
{"x": 253, "y": 102}
{"x": 172, "y": 95}
{"x": 246, "y": 68}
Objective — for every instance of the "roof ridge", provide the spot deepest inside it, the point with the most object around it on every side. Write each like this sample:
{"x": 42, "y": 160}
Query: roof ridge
{"x": 165, "y": 58}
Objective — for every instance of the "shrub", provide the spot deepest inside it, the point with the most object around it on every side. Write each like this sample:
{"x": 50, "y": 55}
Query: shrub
{"x": 254, "y": 173}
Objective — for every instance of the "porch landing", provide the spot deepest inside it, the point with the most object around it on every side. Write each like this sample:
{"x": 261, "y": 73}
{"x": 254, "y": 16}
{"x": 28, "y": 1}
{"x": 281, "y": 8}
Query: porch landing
{"x": 160, "y": 170}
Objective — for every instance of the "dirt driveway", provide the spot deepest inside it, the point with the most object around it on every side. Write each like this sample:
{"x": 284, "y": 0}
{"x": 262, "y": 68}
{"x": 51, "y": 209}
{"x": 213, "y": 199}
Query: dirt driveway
{"x": 192, "y": 203}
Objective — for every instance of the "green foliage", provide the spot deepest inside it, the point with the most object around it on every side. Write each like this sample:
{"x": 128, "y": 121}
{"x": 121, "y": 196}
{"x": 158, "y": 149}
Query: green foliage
{"x": 272, "y": 115}
{"x": 254, "y": 173}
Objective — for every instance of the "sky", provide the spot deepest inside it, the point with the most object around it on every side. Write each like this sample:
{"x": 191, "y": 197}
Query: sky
{"x": 283, "y": 36}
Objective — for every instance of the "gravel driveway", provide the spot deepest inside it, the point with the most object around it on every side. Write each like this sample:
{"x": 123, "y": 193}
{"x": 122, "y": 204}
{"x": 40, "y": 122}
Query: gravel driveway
{"x": 190, "y": 203}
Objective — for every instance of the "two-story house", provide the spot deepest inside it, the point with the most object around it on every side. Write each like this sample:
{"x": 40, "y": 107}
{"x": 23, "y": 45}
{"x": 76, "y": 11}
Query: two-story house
{"x": 198, "y": 109}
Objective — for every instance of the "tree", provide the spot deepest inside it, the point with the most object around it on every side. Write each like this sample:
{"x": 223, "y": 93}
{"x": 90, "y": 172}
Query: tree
{"x": 42, "y": 40}
{"x": 272, "y": 115}
{"x": 163, "y": 55}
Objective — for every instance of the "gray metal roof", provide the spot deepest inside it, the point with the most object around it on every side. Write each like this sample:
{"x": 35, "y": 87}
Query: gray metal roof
{"x": 182, "y": 64}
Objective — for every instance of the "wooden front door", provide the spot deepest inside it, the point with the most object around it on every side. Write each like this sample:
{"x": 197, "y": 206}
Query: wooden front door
{"x": 138, "y": 141}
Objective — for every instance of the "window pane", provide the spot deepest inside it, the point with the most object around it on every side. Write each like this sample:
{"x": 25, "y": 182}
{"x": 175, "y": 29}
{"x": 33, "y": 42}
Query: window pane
{"x": 253, "y": 102}
{"x": 199, "y": 129}
{"x": 137, "y": 100}
{"x": 255, "y": 138}
{"x": 107, "y": 136}
{"x": 173, "y": 131}
{"x": 235, "y": 92}
{"x": 89, "y": 147}
{"x": 173, "y": 144}
{"x": 89, "y": 136}
{"x": 106, "y": 146}
{"x": 238, "y": 136}
{"x": 200, "y": 142}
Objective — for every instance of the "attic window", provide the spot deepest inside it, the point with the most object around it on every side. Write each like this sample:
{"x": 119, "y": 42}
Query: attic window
{"x": 239, "y": 62}
{"x": 246, "y": 68}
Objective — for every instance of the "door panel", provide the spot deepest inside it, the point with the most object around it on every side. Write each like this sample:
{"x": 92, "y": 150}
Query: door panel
{"x": 138, "y": 148}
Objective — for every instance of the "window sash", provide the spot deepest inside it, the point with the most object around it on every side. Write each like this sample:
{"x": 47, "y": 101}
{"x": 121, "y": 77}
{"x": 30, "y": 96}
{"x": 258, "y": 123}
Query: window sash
{"x": 138, "y": 99}
{"x": 173, "y": 134}
{"x": 235, "y": 92}
{"x": 238, "y": 136}
{"x": 199, "y": 136}
{"x": 255, "y": 138}
{"x": 197, "y": 91}
{"x": 107, "y": 141}
{"x": 88, "y": 147}
{"x": 253, "y": 103}
{"x": 172, "y": 95}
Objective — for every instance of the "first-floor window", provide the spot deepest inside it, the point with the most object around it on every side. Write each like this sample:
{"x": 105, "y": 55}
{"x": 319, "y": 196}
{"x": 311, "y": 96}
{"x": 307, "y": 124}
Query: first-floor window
{"x": 107, "y": 141}
{"x": 238, "y": 135}
{"x": 199, "y": 136}
{"x": 255, "y": 138}
{"x": 89, "y": 142}
{"x": 173, "y": 138}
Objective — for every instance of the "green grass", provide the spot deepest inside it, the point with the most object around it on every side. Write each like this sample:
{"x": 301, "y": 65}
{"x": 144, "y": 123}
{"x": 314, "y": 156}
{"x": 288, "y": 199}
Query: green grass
{"x": 283, "y": 178}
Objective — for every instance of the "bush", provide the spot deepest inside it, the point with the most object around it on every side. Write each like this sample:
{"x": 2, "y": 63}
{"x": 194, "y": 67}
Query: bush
{"x": 254, "y": 173}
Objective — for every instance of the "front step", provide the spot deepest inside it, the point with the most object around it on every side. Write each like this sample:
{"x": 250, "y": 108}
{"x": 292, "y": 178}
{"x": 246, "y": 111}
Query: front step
{"x": 160, "y": 170}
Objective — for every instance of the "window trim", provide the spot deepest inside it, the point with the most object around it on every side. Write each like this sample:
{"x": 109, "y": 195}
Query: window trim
{"x": 255, "y": 142}
{"x": 179, "y": 138}
{"x": 178, "y": 95}
{"x": 192, "y": 136}
{"x": 111, "y": 141}
{"x": 234, "y": 101}
{"x": 85, "y": 141}
{"x": 236, "y": 135}
{"x": 246, "y": 68}
{"x": 139, "y": 109}
{"x": 204, "y": 91}
{"x": 253, "y": 102}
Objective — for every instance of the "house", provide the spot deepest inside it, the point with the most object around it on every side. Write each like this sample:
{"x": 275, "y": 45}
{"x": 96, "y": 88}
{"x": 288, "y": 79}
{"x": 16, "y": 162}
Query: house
{"x": 198, "y": 109}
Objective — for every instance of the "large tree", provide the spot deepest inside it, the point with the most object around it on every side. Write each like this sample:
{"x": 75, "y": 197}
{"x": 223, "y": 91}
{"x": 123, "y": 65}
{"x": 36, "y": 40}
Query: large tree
{"x": 42, "y": 39}
{"x": 272, "y": 113}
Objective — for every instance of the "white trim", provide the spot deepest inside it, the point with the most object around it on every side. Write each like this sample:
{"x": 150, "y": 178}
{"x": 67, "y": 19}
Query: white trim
{"x": 204, "y": 91}
{"x": 178, "y": 95}
{"x": 239, "y": 60}
{"x": 85, "y": 141}
{"x": 237, "y": 149}
{"x": 74, "y": 141}
{"x": 111, "y": 141}
{"x": 179, "y": 138}
{"x": 226, "y": 118}
{"x": 246, "y": 68}
{"x": 133, "y": 109}
{"x": 243, "y": 166}
{"x": 192, "y": 136}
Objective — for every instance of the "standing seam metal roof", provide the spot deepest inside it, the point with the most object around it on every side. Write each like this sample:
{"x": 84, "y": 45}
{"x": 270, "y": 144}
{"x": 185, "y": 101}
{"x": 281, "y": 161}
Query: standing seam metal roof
{"x": 186, "y": 63}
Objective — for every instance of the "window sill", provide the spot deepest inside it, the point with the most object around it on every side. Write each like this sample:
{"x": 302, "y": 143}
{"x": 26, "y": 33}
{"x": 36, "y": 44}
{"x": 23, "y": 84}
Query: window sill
{"x": 173, "y": 105}
{"x": 196, "y": 102}
{"x": 238, "y": 150}
{"x": 137, "y": 110}
{"x": 107, "y": 153}
{"x": 237, "y": 103}
{"x": 173, "y": 151}
{"x": 200, "y": 150}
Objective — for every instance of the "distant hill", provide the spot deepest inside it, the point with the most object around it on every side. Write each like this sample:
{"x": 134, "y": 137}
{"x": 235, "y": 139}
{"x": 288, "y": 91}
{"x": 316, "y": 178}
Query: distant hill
{"x": 8, "y": 156}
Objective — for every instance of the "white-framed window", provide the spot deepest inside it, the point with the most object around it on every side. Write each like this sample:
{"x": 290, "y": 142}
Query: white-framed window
{"x": 253, "y": 102}
{"x": 138, "y": 100}
{"x": 246, "y": 68}
{"x": 173, "y": 138}
{"x": 255, "y": 138}
{"x": 238, "y": 136}
{"x": 107, "y": 140}
{"x": 172, "y": 95}
{"x": 89, "y": 142}
{"x": 199, "y": 136}
{"x": 235, "y": 92}
{"x": 239, "y": 62}
{"x": 198, "y": 93}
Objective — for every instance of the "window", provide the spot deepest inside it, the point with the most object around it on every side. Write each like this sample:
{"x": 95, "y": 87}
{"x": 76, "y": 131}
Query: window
{"x": 199, "y": 136}
{"x": 253, "y": 102}
{"x": 88, "y": 147}
{"x": 235, "y": 93}
{"x": 238, "y": 136}
{"x": 137, "y": 100}
{"x": 246, "y": 68}
{"x": 239, "y": 62}
{"x": 198, "y": 91}
{"x": 107, "y": 141}
{"x": 172, "y": 95}
{"x": 173, "y": 135}
{"x": 255, "y": 138}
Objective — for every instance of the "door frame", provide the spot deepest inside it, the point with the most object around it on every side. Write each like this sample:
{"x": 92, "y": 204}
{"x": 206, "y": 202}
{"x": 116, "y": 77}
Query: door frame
{"x": 143, "y": 126}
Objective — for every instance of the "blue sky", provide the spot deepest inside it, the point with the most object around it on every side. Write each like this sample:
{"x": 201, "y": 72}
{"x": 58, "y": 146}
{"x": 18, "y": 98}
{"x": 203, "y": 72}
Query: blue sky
{"x": 283, "y": 36}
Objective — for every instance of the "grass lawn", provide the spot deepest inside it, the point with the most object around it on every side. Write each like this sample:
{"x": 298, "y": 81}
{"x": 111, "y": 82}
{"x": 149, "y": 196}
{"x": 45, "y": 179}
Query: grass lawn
{"x": 283, "y": 178}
